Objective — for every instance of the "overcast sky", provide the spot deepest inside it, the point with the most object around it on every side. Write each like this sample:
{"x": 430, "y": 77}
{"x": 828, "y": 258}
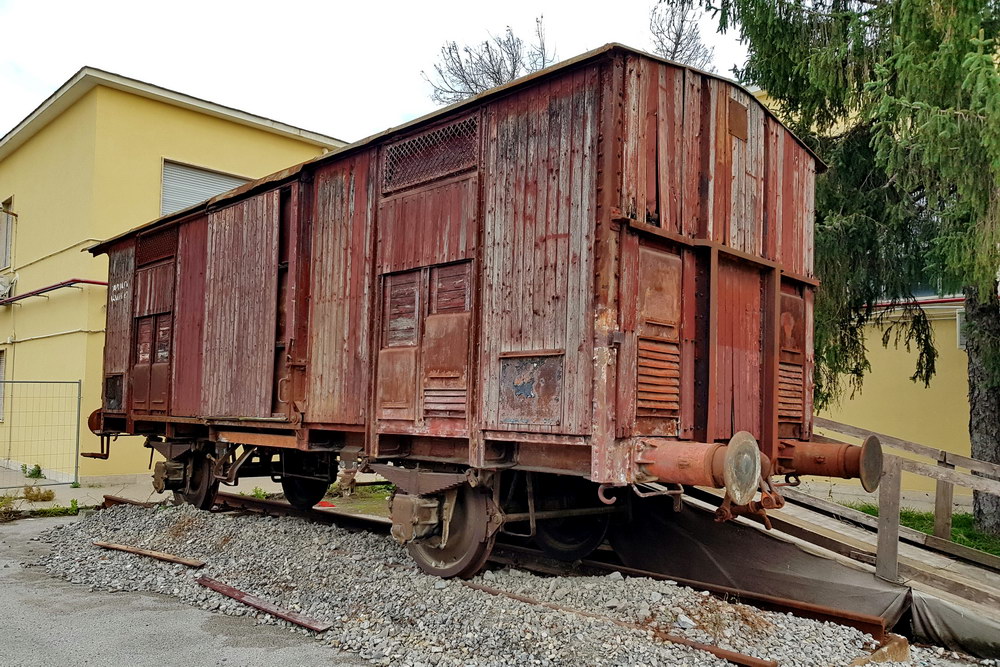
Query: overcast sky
{"x": 346, "y": 69}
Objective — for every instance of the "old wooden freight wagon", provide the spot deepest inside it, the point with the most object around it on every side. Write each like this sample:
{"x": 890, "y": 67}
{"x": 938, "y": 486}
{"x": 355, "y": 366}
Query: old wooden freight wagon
{"x": 597, "y": 276}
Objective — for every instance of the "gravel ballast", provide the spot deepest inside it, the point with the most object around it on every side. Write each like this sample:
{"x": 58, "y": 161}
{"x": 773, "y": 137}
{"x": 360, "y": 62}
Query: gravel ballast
{"x": 383, "y": 608}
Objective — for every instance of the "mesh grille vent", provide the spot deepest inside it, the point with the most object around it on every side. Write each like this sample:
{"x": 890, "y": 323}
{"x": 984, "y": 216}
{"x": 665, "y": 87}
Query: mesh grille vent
{"x": 658, "y": 392}
{"x": 440, "y": 152}
{"x": 156, "y": 246}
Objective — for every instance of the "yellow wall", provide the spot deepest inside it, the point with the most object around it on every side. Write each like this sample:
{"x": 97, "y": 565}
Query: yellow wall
{"x": 937, "y": 416}
{"x": 93, "y": 172}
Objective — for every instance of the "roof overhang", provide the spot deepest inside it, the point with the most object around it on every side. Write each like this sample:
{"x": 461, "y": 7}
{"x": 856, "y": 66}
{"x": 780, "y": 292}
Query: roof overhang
{"x": 89, "y": 78}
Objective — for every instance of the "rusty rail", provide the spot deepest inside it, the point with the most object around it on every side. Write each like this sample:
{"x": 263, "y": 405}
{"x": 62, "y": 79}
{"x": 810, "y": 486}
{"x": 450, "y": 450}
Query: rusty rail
{"x": 264, "y": 605}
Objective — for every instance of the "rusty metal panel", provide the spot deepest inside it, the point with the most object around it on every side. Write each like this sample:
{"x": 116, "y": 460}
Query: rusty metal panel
{"x": 658, "y": 356}
{"x": 154, "y": 289}
{"x": 189, "y": 318}
{"x": 531, "y": 389}
{"x": 397, "y": 381}
{"x": 118, "y": 332}
{"x": 434, "y": 224}
{"x": 340, "y": 315}
{"x": 445, "y": 364}
{"x": 159, "y": 372}
{"x": 539, "y": 168}
{"x": 143, "y": 361}
{"x": 240, "y": 307}
{"x": 739, "y": 362}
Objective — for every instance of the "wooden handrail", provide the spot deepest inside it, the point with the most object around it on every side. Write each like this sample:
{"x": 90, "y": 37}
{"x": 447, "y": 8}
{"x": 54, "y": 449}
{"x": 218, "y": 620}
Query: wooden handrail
{"x": 944, "y": 473}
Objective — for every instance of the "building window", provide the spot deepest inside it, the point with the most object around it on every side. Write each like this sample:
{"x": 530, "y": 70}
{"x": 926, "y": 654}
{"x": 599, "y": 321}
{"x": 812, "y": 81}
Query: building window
{"x": 185, "y": 186}
{"x": 6, "y": 233}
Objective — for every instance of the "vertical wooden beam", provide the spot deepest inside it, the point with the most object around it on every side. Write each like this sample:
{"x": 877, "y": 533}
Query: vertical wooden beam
{"x": 887, "y": 554}
{"x": 943, "y": 496}
{"x": 711, "y": 352}
{"x": 771, "y": 357}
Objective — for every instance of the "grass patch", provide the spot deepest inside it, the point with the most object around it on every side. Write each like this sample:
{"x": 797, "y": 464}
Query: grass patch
{"x": 962, "y": 526}
{"x": 58, "y": 510}
{"x": 367, "y": 499}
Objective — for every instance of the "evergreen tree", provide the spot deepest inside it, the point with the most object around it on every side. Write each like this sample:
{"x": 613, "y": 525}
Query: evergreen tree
{"x": 902, "y": 99}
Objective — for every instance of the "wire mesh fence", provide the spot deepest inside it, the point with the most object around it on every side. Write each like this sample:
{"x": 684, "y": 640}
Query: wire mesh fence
{"x": 39, "y": 433}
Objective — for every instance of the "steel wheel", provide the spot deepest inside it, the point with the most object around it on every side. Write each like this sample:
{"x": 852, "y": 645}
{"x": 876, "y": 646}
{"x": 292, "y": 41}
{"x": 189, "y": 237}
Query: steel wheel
{"x": 571, "y": 538}
{"x": 468, "y": 544}
{"x": 201, "y": 485}
{"x": 303, "y": 493}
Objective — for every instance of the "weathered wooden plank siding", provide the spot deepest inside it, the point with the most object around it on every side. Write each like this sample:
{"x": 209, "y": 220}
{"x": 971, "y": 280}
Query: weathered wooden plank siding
{"x": 189, "y": 318}
{"x": 538, "y": 258}
{"x": 240, "y": 307}
{"x": 340, "y": 319}
{"x": 118, "y": 337}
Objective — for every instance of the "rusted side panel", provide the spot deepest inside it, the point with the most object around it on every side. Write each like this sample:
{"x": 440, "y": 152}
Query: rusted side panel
{"x": 189, "y": 318}
{"x": 431, "y": 225}
{"x": 538, "y": 260}
{"x": 745, "y": 122}
{"x": 654, "y": 143}
{"x": 739, "y": 360}
{"x": 696, "y": 186}
{"x": 793, "y": 204}
{"x": 240, "y": 304}
{"x": 722, "y": 163}
{"x": 340, "y": 317}
{"x": 773, "y": 189}
{"x": 809, "y": 217}
{"x": 118, "y": 334}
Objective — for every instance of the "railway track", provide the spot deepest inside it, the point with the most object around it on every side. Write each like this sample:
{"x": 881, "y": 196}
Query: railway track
{"x": 524, "y": 557}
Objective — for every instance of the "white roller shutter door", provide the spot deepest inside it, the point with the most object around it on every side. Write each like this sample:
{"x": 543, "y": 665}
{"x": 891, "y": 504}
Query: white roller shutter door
{"x": 184, "y": 186}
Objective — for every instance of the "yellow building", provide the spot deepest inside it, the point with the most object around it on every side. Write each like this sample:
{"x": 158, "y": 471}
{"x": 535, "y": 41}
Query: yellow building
{"x": 103, "y": 154}
{"x": 936, "y": 415}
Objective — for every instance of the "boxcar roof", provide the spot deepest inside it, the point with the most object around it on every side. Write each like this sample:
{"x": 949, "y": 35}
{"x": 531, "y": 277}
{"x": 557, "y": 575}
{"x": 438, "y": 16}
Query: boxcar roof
{"x": 553, "y": 70}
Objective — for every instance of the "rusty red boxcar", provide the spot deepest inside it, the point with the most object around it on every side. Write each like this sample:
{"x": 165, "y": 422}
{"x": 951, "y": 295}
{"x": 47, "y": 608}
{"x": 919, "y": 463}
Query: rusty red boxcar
{"x": 597, "y": 277}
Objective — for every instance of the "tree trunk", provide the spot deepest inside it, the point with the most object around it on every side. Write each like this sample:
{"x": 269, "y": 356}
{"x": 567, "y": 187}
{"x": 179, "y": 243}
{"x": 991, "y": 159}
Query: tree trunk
{"x": 982, "y": 330}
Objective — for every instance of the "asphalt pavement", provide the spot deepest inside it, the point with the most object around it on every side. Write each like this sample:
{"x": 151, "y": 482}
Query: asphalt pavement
{"x": 47, "y": 621}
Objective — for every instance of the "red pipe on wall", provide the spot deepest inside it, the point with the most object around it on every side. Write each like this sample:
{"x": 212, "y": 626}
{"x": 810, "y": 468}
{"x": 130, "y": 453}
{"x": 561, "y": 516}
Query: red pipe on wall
{"x": 51, "y": 288}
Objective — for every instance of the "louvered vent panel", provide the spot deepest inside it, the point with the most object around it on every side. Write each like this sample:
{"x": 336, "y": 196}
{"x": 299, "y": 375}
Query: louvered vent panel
{"x": 658, "y": 390}
{"x": 439, "y": 152}
{"x": 401, "y": 309}
{"x": 790, "y": 393}
{"x": 444, "y": 402}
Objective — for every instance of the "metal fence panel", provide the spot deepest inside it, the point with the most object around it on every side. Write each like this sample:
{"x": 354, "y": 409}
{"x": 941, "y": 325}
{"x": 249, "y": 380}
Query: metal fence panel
{"x": 39, "y": 433}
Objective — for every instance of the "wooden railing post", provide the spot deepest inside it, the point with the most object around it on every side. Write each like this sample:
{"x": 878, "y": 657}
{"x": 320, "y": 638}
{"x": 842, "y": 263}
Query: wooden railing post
{"x": 887, "y": 554}
{"x": 943, "y": 499}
